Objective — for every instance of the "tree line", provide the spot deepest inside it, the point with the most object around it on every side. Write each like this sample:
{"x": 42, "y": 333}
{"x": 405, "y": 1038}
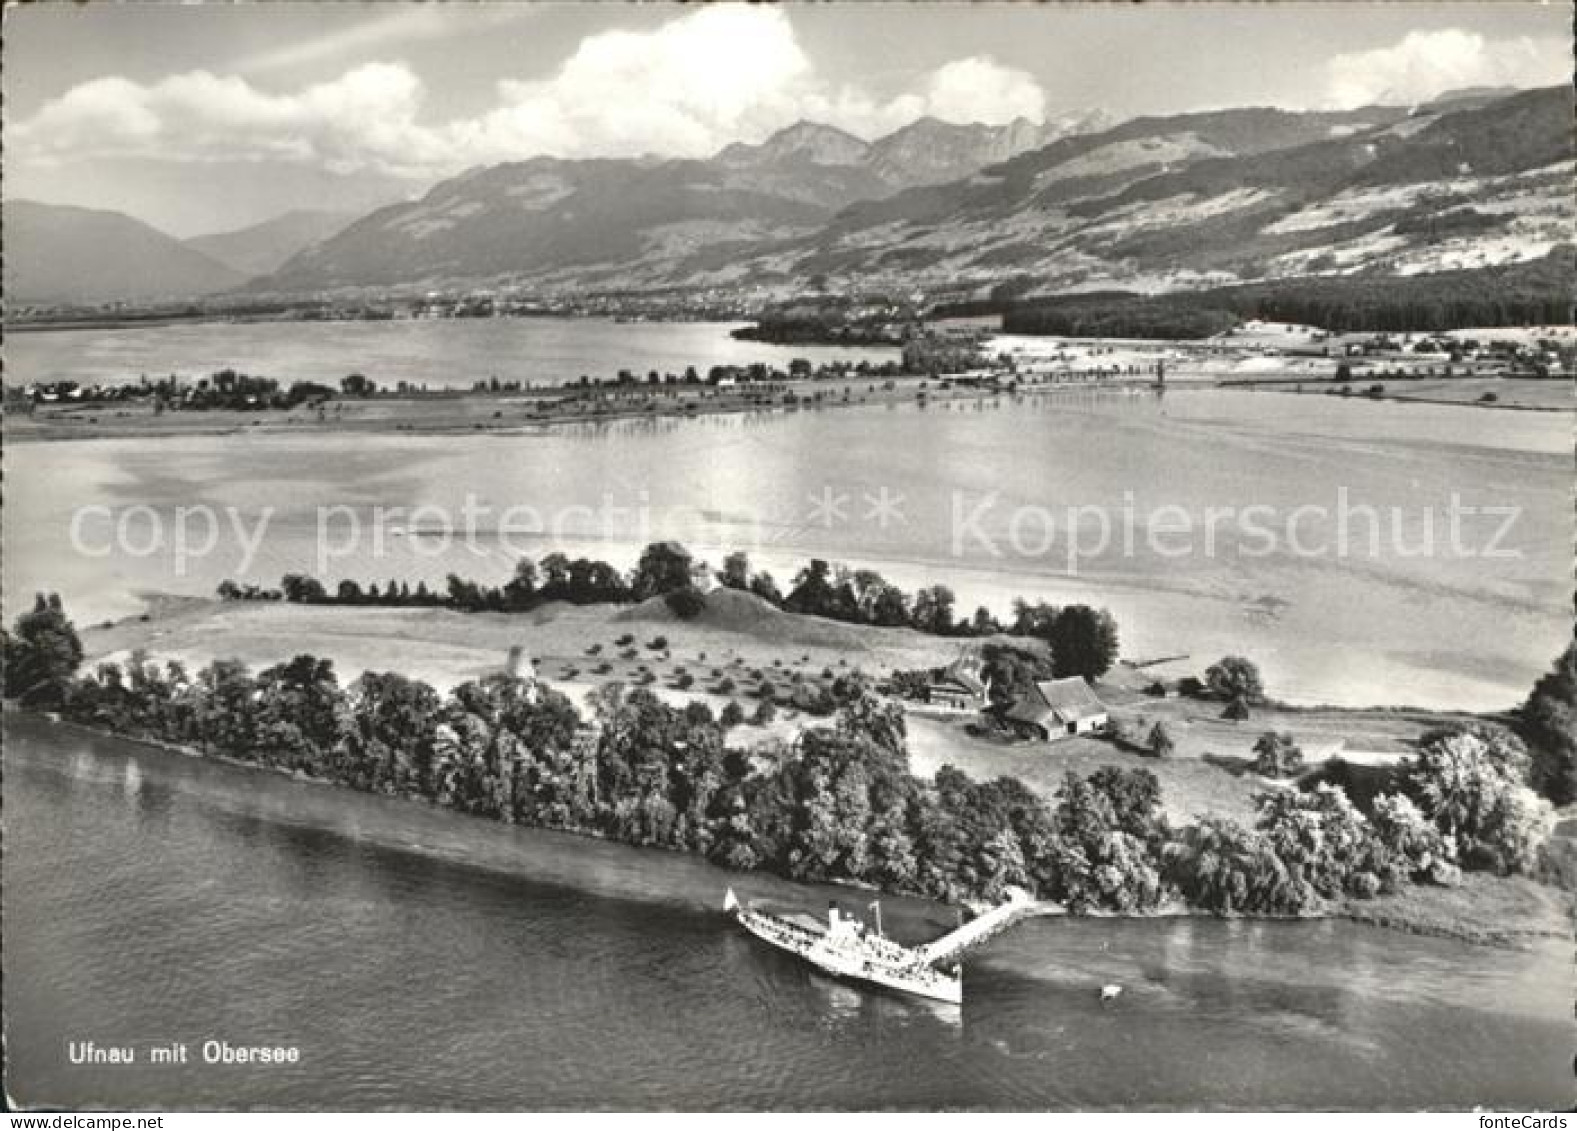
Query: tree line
{"x": 1538, "y": 292}
{"x": 838, "y": 803}
{"x": 1084, "y": 640}
{"x": 226, "y": 389}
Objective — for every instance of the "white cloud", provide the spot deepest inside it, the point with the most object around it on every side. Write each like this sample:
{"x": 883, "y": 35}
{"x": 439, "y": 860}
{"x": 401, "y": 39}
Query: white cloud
{"x": 684, "y": 89}
{"x": 979, "y": 90}
{"x": 365, "y": 118}
{"x": 976, "y": 89}
{"x": 1425, "y": 64}
{"x": 687, "y": 88}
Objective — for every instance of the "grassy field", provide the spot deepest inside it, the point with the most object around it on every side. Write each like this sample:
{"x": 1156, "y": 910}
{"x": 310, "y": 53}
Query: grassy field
{"x": 1209, "y": 772}
{"x": 1487, "y": 909}
{"x": 1189, "y": 786}
{"x": 1549, "y": 394}
{"x": 446, "y": 647}
{"x": 728, "y": 652}
{"x": 576, "y": 647}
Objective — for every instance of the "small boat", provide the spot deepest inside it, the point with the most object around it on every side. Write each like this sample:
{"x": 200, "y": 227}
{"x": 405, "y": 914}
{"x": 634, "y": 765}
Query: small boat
{"x": 846, "y": 948}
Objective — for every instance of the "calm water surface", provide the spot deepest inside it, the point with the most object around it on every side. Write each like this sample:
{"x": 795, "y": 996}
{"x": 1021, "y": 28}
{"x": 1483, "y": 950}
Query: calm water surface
{"x": 1054, "y": 498}
{"x": 441, "y": 353}
{"x": 423, "y": 959}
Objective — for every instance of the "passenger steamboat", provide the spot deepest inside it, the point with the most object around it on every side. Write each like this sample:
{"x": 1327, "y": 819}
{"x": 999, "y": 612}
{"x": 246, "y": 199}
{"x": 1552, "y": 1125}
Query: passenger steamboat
{"x": 847, "y": 948}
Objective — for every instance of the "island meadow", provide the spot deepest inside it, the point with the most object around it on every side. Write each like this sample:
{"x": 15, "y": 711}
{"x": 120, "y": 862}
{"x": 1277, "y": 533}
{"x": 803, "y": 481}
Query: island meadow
{"x": 838, "y": 802}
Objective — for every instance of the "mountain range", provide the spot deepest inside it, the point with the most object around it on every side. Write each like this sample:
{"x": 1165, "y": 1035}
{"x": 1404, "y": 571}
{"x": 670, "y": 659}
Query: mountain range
{"x": 1204, "y": 199}
{"x": 551, "y": 215}
{"x": 1155, "y": 203}
{"x": 578, "y": 213}
{"x": 56, "y": 253}
{"x": 262, "y": 248}
{"x": 63, "y": 254}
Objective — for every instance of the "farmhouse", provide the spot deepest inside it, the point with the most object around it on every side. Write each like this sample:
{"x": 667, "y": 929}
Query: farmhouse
{"x": 961, "y": 686}
{"x": 1056, "y": 708}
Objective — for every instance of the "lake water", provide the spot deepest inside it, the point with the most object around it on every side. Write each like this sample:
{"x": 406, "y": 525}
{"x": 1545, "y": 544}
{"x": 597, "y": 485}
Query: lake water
{"x": 1096, "y": 497}
{"x": 441, "y": 353}
{"x": 421, "y": 959}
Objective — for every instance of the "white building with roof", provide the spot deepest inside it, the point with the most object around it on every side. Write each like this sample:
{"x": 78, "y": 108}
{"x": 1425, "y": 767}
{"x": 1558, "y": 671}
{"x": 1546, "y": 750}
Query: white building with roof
{"x": 1059, "y": 708}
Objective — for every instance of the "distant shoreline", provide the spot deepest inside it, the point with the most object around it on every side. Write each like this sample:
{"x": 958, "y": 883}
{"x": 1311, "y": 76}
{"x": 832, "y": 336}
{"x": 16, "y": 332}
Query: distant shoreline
{"x": 1469, "y": 385}
{"x": 131, "y": 323}
{"x": 468, "y": 412}
{"x": 451, "y": 412}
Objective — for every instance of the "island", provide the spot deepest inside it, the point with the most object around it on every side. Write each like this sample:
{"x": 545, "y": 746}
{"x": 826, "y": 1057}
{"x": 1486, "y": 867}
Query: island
{"x": 847, "y": 731}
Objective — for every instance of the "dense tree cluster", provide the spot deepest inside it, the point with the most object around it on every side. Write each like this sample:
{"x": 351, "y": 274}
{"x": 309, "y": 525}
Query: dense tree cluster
{"x": 226, "y": 389}
{"x": 1082, "y": 640}
{"x": 1011, "y": 670}
{"x": 935, "y": 354}
{"x": 1460, "y": 804}
{"x": 41, "y": 654}
{"x": 1533, "y": 293}
{"x": 819, "y": 316}
{"x": 1471, "y": 782}
{"x": 1548, "y": 721}
{"x": 1108, "y": 834}
{"x": 1234, "y": 677}
{"x": 1224, "y": 867}
{"x": 1130, "y": 316}
{"x": 838, "y": 803}
{"x": 819, "y": 329}
{"x": 1085, "y": 639}
{"x": 863, "y": 596}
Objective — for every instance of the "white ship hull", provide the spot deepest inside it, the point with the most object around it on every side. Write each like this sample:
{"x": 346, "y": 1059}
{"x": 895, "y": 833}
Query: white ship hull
{"x": 856, "y": 957}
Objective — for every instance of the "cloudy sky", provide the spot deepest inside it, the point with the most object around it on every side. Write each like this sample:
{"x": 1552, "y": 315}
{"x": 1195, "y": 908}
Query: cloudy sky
{"x": 201, "y": 118}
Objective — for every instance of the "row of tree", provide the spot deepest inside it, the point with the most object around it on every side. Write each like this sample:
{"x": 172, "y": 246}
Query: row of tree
{"x": 838, "y": 803}
{"x": 1083, "y": 640}
{"x": 1137, "y": 317}
{"x": 1538, "y": 292}
{"x": 226, "y": 389}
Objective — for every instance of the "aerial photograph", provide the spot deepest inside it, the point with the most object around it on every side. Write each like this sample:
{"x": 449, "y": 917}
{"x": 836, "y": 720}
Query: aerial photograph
{"x": 840, "y": 557}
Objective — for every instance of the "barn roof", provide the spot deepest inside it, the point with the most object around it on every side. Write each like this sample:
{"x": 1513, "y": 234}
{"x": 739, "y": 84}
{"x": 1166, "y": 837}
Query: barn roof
{"x": 1057, "y": 700}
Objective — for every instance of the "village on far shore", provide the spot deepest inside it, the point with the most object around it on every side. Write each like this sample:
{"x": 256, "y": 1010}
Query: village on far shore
{"x": 942, "y": 363}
